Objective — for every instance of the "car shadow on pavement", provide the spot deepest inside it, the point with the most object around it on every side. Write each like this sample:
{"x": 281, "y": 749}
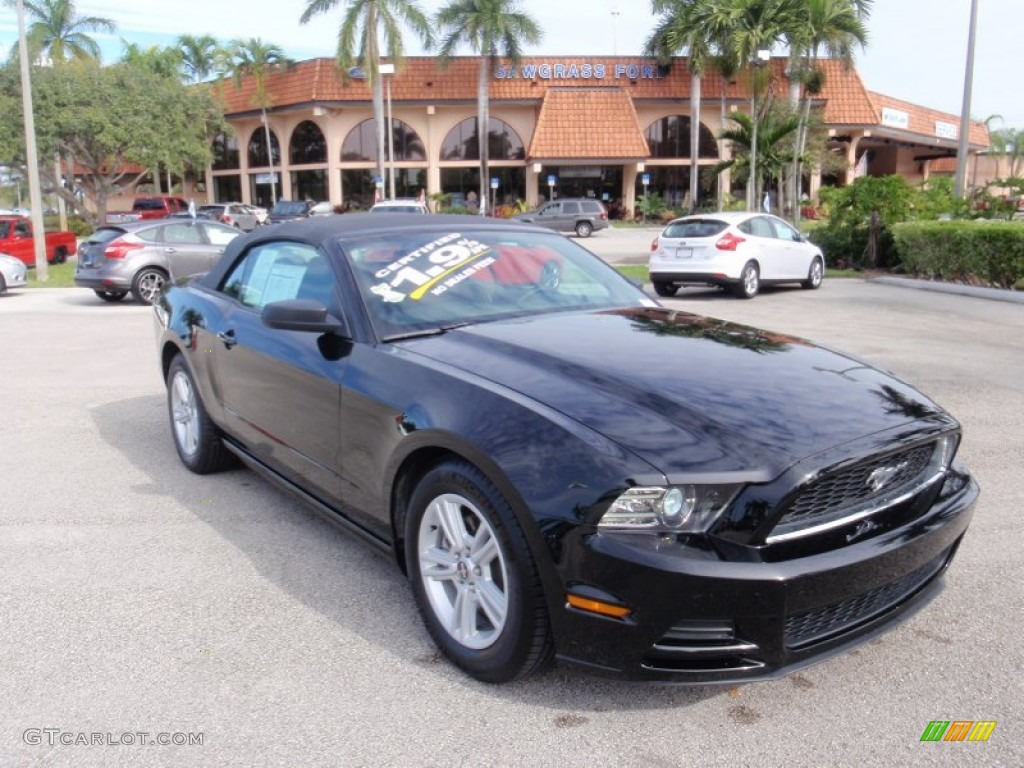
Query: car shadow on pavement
{"x": 296, "y": 550}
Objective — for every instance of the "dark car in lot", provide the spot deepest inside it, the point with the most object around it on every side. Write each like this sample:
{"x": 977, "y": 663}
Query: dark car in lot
{"x": 290, "y": 210}
{"x": 566, "y": 468}
{"x": 139, "y": 257}
{"x": 580, "y": 215}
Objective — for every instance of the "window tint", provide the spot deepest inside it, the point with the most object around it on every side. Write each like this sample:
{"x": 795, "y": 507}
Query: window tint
{"x": 188, "y": 234}
{"x": 592, "y": 206}
{"x": 570, "y": 209}
{"x": 278, "y": 271}
{"x": 758, "y": 227}
{"x": 785, "y": 232}
{"x": 220, "y": 235}
{"x": 696, "y": 228}
{"x": 551, "y": 209}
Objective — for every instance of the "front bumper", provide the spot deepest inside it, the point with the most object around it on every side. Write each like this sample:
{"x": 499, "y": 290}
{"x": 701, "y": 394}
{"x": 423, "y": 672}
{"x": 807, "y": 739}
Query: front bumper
{"x": 700, "y": 619}
{"x": 15, "y": 278}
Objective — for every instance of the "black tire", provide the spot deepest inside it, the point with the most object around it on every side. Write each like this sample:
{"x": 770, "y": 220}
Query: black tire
{"x": 147, "y": 285}
{"x": 195, "y": 437}
{"x": 584, "y": 228}
{"x": 3, "y": 285}
{"x": 665, "y": 289}
{"x": 60, "y": 255}
{"x": 815, "y": 275}
{"x": 750, "y": 281}
{"x": 112, "y": 296}
{"x": 505, "y": 635}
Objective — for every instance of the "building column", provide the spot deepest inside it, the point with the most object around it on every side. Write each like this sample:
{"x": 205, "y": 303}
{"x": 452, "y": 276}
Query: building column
{"x": 851, "y": 156}
{"x": 533, "y": 172}
{"x": 629, "y": 173}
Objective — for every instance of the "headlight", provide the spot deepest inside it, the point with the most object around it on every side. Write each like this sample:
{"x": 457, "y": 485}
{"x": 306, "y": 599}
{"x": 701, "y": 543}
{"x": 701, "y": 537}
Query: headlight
{"x": 676, "y": 509}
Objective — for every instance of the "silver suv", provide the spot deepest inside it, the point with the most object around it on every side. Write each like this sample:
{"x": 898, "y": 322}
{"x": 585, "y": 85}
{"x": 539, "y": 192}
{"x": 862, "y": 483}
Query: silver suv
{"x": 579, "y": 215}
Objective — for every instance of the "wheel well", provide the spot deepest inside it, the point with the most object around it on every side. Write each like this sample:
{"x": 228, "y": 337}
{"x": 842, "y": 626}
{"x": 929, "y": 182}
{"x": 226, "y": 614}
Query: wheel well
{"x": 167, "y": 356}
{"x": 414, "y": 467}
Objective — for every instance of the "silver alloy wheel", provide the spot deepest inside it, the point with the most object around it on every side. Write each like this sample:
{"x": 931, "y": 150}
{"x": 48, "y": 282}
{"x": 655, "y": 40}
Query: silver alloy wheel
{"x": 463, "y": 570}
{"x": 750, "y": 280}
{"x": 150, "y": 284}
{"x": 816, "y": 274}
{"x": 184, "y": 413}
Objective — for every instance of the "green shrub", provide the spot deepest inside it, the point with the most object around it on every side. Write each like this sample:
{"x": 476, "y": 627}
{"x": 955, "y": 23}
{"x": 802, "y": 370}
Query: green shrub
{"x": 986, "y": 252}
{"x": 76, "y": 224}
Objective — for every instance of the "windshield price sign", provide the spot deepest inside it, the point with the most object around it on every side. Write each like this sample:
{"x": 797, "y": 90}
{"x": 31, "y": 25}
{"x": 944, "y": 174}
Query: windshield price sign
{"x": 432, "y": 269}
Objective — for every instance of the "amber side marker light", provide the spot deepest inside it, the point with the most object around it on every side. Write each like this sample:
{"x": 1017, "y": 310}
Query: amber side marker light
{"x": 596, "y": 606}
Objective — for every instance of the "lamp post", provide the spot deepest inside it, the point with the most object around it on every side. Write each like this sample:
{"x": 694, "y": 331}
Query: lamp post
{"x": 389, "y": 69}
{"x": 965, "y": 110}
{"x": 764, "y": 56}
{"x": 31, "y": 155}
{"x": 616, "y": 12}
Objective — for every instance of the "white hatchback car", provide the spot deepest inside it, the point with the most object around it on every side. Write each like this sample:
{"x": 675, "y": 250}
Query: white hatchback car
{"x": 12, "y": 273}
{"x": 400, "y": 205}
{"x": 742, "y": 251}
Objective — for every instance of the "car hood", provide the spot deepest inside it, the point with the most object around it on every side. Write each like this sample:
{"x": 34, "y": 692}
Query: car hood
{"x": 684, "y": 392}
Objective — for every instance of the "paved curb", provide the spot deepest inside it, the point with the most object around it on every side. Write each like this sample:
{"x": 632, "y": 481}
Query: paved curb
{"x": 992, "y": 294}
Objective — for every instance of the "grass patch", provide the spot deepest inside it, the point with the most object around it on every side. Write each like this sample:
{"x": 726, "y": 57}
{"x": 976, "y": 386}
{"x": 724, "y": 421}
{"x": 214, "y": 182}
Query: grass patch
{"x": 635, "y": 272}
{"x": 58, "y": 276}
{"x": 830, "y": 272}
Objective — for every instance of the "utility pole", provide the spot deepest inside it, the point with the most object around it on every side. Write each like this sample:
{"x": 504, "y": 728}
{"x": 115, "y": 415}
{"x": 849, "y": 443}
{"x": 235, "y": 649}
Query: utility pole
{"x": 965, "y": 110}
{"x": 31, "y": 155}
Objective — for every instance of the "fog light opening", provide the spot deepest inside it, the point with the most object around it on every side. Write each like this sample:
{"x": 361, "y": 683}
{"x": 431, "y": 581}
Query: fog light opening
{"x": 596, "y": 606}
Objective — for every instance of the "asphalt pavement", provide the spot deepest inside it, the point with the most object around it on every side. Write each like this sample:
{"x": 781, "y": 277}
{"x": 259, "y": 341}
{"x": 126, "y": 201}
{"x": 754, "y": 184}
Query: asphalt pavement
{"x": 137, "y": 599}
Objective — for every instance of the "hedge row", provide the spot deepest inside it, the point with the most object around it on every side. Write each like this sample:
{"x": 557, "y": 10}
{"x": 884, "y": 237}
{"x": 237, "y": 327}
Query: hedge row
{"x": 987, "y": 252}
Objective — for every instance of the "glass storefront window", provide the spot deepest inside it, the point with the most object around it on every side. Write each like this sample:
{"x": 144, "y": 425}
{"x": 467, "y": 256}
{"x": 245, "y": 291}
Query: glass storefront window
{"x": 360, "y": 145}
{"x": 227, "y": 189}
{"x": 259, "y": 189}
{"x": 258, "y": 149}
{"x": 669, "y": 138}
{"x": 225, "y": 153}
{"x": 309, "y": 185}
{"x": 462, "y": 143}
{"x": 307, "y": 144}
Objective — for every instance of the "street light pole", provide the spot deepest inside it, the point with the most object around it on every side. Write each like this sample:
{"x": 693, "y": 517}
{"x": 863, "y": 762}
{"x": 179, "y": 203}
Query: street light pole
{"x": 965, "y": 110}
{"x": 763, "y": 57}
{"x": 31, "y": 155}
{"x": 389, "y": 69}
{"x": 615, "y": 30}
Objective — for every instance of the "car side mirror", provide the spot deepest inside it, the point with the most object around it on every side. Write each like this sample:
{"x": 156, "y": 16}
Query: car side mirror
{"x": 306, "y": 315}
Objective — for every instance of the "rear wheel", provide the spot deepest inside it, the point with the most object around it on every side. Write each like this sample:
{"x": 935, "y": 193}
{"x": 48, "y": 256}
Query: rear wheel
{"x": 112, "y": 296}
{"x": 584, "y": 228}
{"x": 814, "y": 275}
{"x": 3, "y": 284}
{"x": 750, "y": 281}
{"x": 665, "y": 289}
{"x": 473, "y": 576}
{"x": 195, "y": 438}
{"x": 148, "y": 284}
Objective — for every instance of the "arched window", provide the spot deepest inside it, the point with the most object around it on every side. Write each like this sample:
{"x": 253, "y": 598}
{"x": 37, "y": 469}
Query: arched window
{"x": 669, "y": 139}
{"x": 461, "y": 142}
{"x": 308, "y": 144}
{"x": 225, "y": 153}
{"x": 361, "y": 143}
{"x": 258, "y": 148}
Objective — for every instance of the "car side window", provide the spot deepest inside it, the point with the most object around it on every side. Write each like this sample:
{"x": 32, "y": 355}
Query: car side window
{"x": 758, "y": 227}
{"x": 570, "y": 209}
{"x": 278, "y": 271}
{"x": 219, "y": 235}
{"x": 186, "y": 234}
{"x": 785, "y": 232}
{"x": 21, "y": 229}
{"x": 551, "y": 209}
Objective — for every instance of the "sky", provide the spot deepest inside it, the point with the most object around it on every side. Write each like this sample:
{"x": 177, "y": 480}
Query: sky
{"x": 917, "y": 49}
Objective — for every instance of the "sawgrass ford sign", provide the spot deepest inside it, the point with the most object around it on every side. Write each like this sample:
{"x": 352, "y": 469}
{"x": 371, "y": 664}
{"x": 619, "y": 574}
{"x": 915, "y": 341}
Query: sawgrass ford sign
{"x": 577, "y": 71}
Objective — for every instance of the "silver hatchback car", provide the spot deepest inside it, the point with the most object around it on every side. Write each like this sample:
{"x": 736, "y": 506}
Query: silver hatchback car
{"x": 141, "y": 256}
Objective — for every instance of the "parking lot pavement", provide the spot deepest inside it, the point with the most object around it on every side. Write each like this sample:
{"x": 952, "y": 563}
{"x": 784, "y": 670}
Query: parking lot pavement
{"x": 138, "y": 598}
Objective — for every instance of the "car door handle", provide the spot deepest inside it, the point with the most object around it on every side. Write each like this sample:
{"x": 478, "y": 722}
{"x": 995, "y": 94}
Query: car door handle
{"x": 170, "y": 250}
{"x": 227, "y": 338}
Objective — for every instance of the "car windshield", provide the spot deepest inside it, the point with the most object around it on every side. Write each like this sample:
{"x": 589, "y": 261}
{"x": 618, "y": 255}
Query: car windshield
{"x": 149, "y": 204}
{"x": 423, "y": 283}
{"x": 695, "y": 228}
{"x": 289, "y": 208}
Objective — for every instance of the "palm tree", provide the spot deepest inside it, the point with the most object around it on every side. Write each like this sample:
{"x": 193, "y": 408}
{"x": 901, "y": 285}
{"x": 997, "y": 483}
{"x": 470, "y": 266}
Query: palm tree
{"x": 59, "y": 32}
{"x": 835, "y": 27}
{"x": 257, "y": 59}
{"x": 679, "y": 29}
{"x": 198, "y": 56}
{"x": 765, "y": 138}
{"x": 491, "y": 28}
{"x": 363, "y": 22}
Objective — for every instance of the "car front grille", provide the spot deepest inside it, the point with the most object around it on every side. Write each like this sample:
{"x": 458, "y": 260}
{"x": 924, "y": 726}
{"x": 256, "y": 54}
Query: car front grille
{"x": 836, "y": 496}
{"x": 822, "y": 623}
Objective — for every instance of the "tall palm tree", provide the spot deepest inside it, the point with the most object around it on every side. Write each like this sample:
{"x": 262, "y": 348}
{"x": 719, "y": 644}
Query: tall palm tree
{"x": 767, "y": 139}
{"x": 677, "y": 30}
{"x": 834, "y": 27}
{"x": 59, "y": 32}
{"x": 491, "y": 28}
{"x": 198, "y": 56}
{"x": 359, "y": 43}
{"x": 257, "y": 59}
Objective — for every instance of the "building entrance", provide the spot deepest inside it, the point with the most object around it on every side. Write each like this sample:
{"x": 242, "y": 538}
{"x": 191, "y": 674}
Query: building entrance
{"x": 601, "y": 182}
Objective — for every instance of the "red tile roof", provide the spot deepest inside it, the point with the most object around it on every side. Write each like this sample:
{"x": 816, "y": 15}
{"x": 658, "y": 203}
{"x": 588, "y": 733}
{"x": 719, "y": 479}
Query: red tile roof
{"x": 587, "y": 123}
{"x": 422, "y": 79}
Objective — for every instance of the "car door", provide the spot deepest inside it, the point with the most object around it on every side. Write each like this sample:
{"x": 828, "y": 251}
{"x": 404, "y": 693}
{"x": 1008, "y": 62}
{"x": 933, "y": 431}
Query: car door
{"x": 180, "y": 247}
{"x": 243, "y": 217}
{"x": 795, "y": 254}
{"x": 549, "y": 216}
{"x": 281, "y": 390}
{"x": 763, "y": 245}
{"x": 568, "y": 216}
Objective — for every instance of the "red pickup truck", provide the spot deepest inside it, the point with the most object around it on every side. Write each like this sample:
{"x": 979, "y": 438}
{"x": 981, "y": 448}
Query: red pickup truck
{"x": 16, "y": 240}
{"x": 152, "y": 207}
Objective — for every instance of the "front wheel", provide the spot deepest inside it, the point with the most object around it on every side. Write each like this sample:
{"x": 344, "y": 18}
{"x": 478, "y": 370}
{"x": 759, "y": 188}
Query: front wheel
{"x": 750, "y": 281}
{"x": 148, "y": 284}
{"x": 473, "y": 576}
{"x": 584, "y": 228}
{"x": 195, "y": 438}
{"x": 814, "y": 275}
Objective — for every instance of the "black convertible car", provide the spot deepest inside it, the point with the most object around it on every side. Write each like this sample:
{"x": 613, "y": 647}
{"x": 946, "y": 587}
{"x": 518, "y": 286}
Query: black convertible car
{"x": 563, "y": 467}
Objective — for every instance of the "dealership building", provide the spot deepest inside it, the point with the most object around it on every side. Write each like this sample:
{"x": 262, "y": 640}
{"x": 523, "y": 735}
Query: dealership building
{"x": 604, "y": 127}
